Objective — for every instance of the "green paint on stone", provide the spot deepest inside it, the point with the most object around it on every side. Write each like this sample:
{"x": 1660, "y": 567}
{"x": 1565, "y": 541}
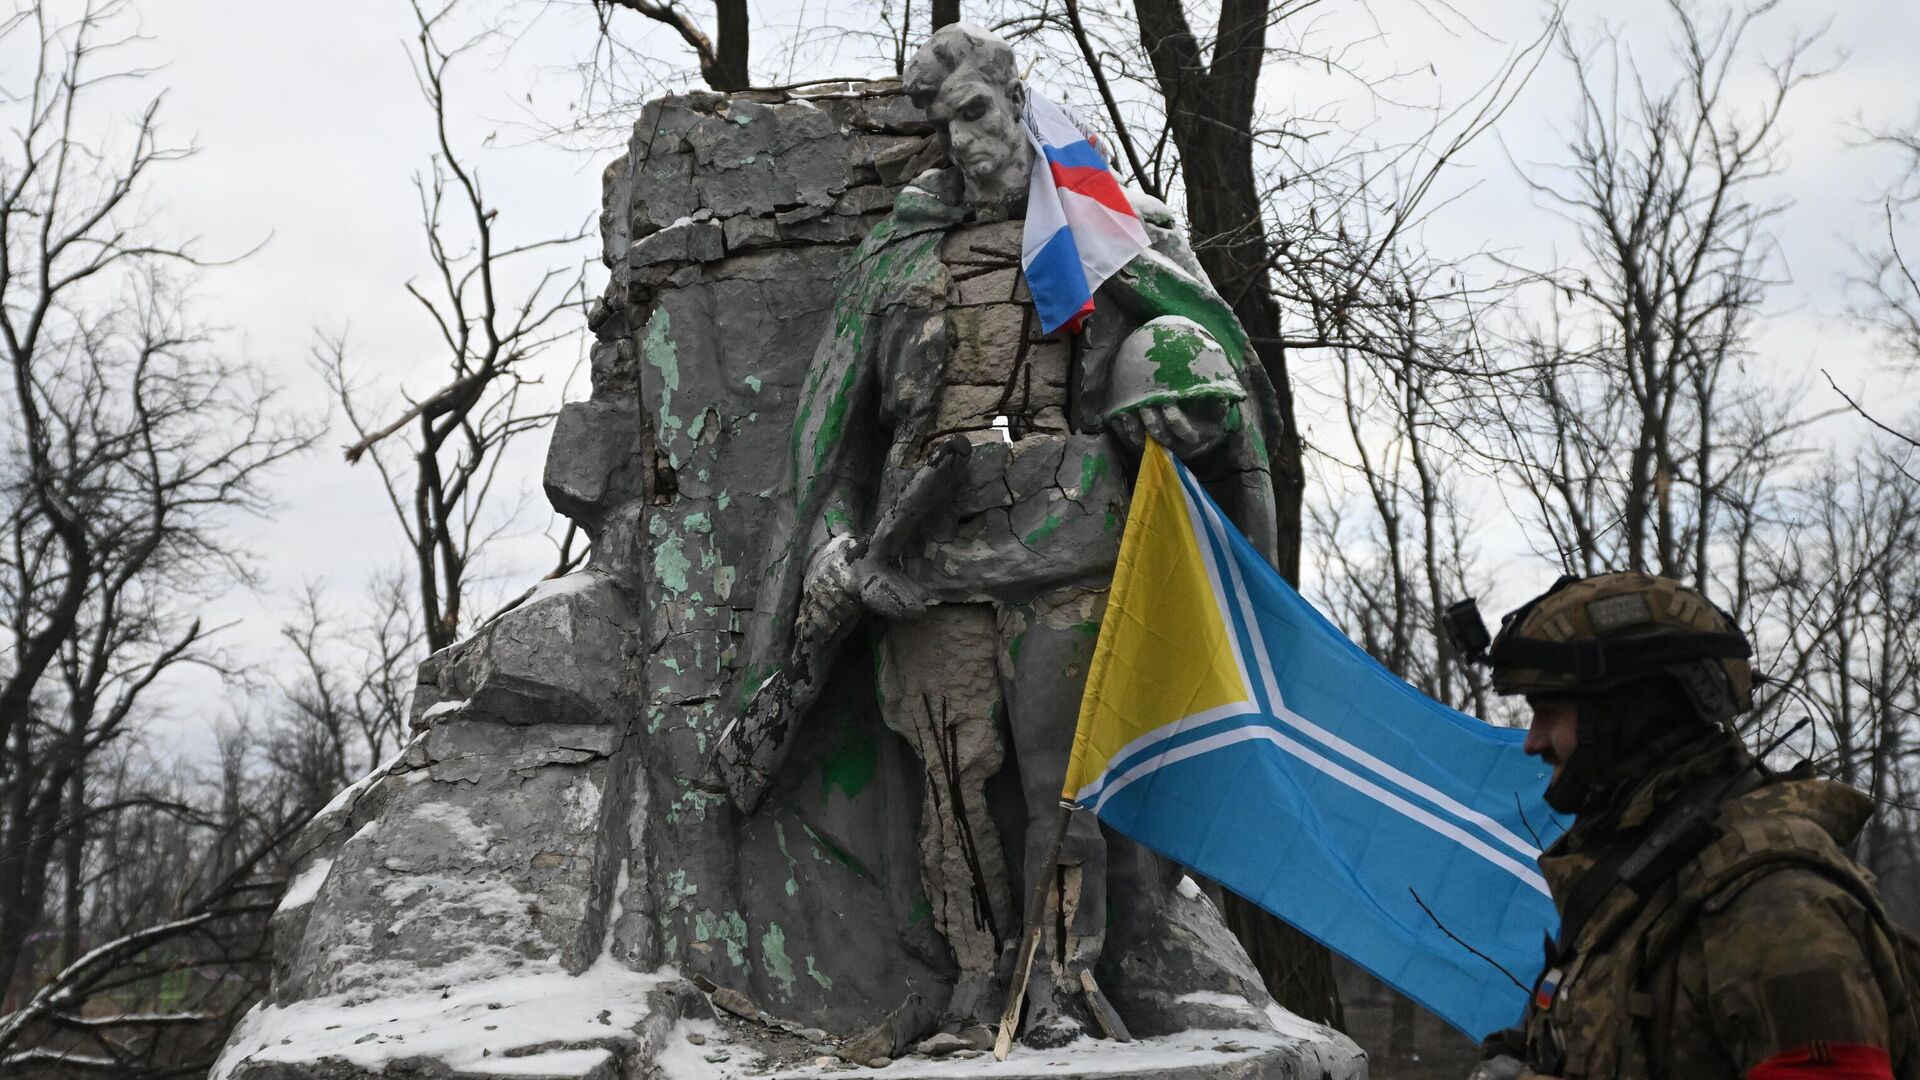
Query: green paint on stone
{"x": 679, "y": 890}
{"x": 835, "y": 420}
{"x": 722, "y": 500}
{"x": 670, "y": 564}
{"x": 728, "y": 929}
{"x": 1013, "y": 646}
{"x": 850, "y": 765}
{"x": 753, "y": 383}
{"x": 816, "y": 975}
{"x": 1112, "y": 522}
{"x": 780, "y": 835}
{"x": 1045, "y": 529}
{"x": 774, "y": 959}
{"x": 660, "y": 351}
{"x": 920, "y": 910}
{"x": 839, "y": 854}
{"x": 838, "y": 522}
{"x": 1090, "y": 628}
{"x": 1093, "y": 465}
{"x": 1172, "y": 354}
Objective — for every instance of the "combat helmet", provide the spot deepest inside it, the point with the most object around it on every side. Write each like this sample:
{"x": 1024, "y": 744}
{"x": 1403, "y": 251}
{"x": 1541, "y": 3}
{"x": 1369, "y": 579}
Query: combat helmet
{"x": 1590, "y": 635}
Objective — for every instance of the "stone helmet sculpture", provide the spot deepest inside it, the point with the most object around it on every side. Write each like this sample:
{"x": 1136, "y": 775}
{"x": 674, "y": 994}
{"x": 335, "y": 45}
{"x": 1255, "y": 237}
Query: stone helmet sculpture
{"x": 1170, "y": 360}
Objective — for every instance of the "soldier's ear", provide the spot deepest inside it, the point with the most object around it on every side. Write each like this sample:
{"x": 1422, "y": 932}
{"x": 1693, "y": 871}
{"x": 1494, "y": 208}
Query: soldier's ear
{"x": 1017, "y": 93}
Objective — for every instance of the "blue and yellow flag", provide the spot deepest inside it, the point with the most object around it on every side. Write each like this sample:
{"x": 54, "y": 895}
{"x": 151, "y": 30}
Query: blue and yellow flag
{"x": 1231, "y": 727}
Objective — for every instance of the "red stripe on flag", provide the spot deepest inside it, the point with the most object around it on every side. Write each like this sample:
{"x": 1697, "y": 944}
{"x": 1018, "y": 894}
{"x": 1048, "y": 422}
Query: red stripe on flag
{"x": 1096, "y": 184}
{"x": 1073, "y": 325}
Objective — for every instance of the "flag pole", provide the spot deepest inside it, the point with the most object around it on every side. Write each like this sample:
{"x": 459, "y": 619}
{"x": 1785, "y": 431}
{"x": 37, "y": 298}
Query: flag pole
{"x": 1030, "y": 944}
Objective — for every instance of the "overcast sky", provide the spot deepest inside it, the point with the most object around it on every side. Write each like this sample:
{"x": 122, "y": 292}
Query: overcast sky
{"x": 311, "y": 129}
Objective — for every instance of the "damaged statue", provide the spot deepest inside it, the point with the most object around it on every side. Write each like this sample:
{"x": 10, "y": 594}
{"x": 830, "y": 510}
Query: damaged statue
{"x": 959, "y": 482}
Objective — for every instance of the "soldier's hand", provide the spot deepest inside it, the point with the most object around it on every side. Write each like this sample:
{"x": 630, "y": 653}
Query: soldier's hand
{"x": 1186, "y": 429}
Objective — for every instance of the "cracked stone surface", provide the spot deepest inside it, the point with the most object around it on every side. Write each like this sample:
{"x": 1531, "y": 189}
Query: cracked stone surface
{"x": 541, "y": 882}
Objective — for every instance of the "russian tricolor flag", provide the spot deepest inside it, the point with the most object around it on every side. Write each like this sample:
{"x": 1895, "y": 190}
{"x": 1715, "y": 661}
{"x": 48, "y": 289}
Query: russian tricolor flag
{"x": 1080, "y": 227}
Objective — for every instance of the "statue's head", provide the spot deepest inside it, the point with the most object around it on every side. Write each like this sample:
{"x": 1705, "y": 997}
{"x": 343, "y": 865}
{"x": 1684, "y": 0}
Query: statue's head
{"x": 964, "y": 78}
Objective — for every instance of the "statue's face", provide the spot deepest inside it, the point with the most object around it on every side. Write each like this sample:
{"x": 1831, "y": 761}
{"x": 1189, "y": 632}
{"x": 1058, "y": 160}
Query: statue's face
{"x": 986, "y": 137}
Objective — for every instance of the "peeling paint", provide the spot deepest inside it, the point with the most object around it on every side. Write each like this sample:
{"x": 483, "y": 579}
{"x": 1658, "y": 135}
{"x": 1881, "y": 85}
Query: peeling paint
{"x": 729, "y": 929}
{"x": 817, "y": 976}
{"x": 774, "y": 959}
{"x": 658, "y": 347}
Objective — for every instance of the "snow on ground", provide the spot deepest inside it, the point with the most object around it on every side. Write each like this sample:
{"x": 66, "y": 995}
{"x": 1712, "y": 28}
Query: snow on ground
{"x": 470, "y": 1025}
{"x": 1086, "y": 1056}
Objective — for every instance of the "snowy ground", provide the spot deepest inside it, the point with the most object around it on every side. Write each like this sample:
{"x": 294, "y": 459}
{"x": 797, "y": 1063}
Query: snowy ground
{"x": 484, "y": 1027}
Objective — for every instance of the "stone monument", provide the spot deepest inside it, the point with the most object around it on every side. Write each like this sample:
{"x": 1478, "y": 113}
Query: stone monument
{"x": 739, "y": 798}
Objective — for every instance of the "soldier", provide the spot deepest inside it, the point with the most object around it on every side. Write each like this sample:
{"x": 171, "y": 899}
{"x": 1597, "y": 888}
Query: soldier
{"x": 1712, "y": 925}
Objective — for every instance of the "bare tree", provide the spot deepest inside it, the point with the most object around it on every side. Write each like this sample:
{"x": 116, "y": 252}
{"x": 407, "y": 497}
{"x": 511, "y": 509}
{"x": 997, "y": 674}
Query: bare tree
{"x": 129, "y": 445}
{"x": 1640, "y": 441}
{"x": 723, "y": 56}
{"x": 439, "y": 456}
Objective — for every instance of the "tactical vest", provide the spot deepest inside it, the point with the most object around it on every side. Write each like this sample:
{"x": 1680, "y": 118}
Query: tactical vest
{"x": 1611, "y": 1010}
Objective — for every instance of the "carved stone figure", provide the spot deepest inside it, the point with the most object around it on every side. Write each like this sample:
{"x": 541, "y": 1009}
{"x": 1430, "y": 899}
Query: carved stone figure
{"x": 655, "y": 821}
{"x": 990, "y": 606}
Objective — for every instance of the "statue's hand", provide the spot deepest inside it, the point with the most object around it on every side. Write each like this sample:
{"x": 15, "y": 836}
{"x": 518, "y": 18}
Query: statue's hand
{"x": 831, "y": 595}
{"x": 889, "y": 593}
{"x": 1188, "y": 428}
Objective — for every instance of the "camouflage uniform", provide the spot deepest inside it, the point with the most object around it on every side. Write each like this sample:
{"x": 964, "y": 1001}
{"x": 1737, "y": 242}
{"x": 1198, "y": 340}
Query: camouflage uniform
{"x": 1741, "y": 959}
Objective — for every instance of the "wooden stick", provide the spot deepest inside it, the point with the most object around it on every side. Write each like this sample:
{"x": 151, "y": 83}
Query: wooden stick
{"x": 1036, "y": 911}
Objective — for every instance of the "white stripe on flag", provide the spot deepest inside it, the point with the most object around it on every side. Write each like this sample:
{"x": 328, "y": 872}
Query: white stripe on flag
{"x": 1090, "y": 794}
{"x": 1525, "y": 874}
{"x": 1283, "y": 712}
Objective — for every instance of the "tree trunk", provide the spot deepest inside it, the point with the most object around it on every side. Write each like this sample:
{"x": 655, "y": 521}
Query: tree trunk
{"x": 945, "y": 12}
{"x": 730, "y": 45}
{"x": 73, "y": 849}
{"x": 1210, "y": 111}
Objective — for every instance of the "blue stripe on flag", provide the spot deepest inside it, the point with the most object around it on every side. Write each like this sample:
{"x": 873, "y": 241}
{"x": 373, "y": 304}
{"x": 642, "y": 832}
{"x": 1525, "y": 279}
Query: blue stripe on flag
{"x": 1057, "y": 281}
{"x": 1079, "y": 154}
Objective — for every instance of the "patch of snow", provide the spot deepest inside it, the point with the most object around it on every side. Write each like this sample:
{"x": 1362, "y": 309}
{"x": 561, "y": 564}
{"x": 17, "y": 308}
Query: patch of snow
{"x": 455, "y": 1025}
{"x": 459, "y": 824}
{"x": 302, "y": 889}
{"x": 352, "y": 791}
{"x": 441, "y": 707}
{"x": 1216, "y": 999}
{"x": 580, "y": 581}
{"x": 1188, "y": 889}
{"x": 1293, "y": 1027}
{"x": 1147, "y": 206}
